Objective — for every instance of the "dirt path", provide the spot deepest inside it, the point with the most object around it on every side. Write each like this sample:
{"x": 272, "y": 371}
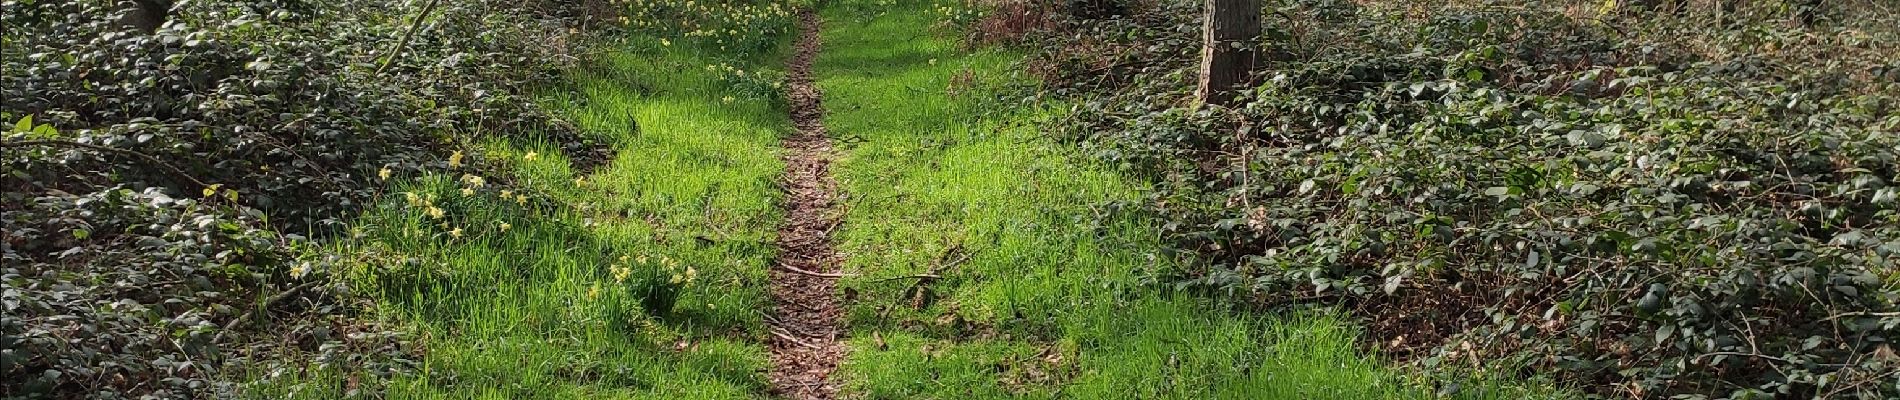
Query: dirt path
{"x": 805, "y": 311}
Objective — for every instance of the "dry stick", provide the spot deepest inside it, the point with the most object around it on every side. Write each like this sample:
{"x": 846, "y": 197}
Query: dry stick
{"x": 174, "y": 170}
{"x": 267, "y": 303}
{"x": 810, "y": 273}
{"x": 406, "y": 36}
{"x": 1862, "y": 314}
{"x": 936, "y": 270}
{"x": 788, "y": 337}
{"x": 917, "y": 276}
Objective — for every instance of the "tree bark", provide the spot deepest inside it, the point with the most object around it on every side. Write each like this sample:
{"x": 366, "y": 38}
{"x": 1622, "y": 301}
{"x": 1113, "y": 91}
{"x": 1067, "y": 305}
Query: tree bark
{"x": 147, "y": 15}
{"x": 1227, "y": 52}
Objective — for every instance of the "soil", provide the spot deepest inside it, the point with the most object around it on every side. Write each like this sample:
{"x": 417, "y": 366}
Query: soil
{"x": 804, "y": 322}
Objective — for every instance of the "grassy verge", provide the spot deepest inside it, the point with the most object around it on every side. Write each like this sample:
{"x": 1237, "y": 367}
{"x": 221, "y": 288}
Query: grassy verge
{"x": 639, "y": 279}
{"x": 1042, "y": 292}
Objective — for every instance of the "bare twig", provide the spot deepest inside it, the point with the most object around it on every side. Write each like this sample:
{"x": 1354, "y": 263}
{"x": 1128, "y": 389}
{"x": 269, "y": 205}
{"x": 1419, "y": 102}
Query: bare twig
{"x": 229, "y": 326}
{"x": 1733, "y": 353}
{"x": 810, "y": 273}
{"x": 147, "y": 157}
{"x": 1862, "y": 314}
{"x": 406, "y": 36}
{"x": 1294, "y": 300}
{"x": 789, "y": 338}
{"x": 917, "y": 276}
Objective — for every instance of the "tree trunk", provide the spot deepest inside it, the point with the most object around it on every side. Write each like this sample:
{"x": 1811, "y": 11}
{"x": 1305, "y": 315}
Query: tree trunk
{"x": 1227, "y": 52}
{"x": 148, "y": 15}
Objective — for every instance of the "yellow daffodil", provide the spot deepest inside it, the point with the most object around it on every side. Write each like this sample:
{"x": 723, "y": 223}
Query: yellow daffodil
{"x": 412, "y": 198}
{"x": 505, "y": 226}
{"x": 212, "y": 190}
{"x": 581, "y": 181}
{"x": 436, "y": 213}
{"x": 468, "y": 192}
{"x": 521, "y": 199}
{"x": 593, "y": 292}
{"x": 530, "y": 156}
{"x": 455, "y": 160}
{"x": 384, "y": 173}
{"x": 727, "y": 99}
{"x": 456, "y": 233}
{"x": 507, "y": 194}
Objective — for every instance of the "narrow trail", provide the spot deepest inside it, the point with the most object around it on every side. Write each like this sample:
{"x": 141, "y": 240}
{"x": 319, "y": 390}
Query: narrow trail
{"x": 805, "y": 312}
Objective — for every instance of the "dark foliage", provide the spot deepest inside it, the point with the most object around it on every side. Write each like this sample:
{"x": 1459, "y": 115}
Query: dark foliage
{"x": 123, "y": 268}
{"x": 1697, "y": 203}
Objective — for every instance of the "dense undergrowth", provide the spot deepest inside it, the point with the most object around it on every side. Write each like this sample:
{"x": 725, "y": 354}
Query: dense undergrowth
{"x": 1688, "y": 200}
{"x": 169, "y": 165}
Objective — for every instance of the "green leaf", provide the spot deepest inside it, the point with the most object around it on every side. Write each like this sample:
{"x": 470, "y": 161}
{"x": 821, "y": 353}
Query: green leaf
{"x": 25, "y": 124}
{"x": 1474, "y": 75}
{"x": 81, "y": 234}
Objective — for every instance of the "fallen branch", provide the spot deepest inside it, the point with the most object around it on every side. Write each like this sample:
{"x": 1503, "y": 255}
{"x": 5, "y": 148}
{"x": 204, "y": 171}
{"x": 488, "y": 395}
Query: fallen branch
{"x": 790, "y": 338}
{"x": 1862, "y": 314}
{"x": 917, "y": 276}
{"x": 229, "y": 326}
{"x": 1738, "y": 354}
{"x": 810, "y": 273}
{"x": 67, "y": 143}
{"x": 1293, "y": 300}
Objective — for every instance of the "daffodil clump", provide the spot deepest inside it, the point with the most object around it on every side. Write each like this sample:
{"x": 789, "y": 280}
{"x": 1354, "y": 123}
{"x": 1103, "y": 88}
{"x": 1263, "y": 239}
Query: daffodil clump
{"x": 433, "y": 206}
{"x": 765, "y": 84}
{"x": 732, "y": 27}
{"x": 960, "y": 13}
{"x": 658, "y": 284}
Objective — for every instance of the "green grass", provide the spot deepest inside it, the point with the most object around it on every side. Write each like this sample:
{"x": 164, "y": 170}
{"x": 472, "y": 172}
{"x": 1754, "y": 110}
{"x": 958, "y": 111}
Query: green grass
{"x": 1044, "y": 291}
{"x": 1050, "y": 303}
{"x": 536, "y": 311}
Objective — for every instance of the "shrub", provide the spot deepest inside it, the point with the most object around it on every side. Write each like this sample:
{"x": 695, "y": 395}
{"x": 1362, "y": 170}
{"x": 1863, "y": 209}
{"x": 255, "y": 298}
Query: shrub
{"x": 1648, "y": 206}
{"x": 165, "y": 174}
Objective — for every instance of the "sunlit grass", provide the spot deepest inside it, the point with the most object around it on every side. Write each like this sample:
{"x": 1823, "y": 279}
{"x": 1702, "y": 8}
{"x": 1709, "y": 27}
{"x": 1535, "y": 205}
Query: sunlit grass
{"x": 1050, "y": 302}
{"x": 1043, "y": 263}
{"x": 538, "y": 307}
